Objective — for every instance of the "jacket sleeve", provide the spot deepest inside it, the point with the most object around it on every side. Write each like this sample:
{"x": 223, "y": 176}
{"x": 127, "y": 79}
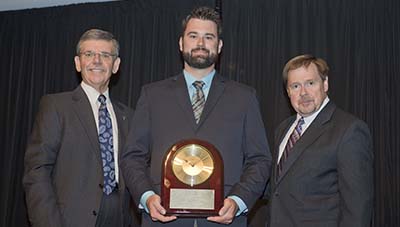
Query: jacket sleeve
{"x": 135, "y": 159}
{"x": 40, "y": 157}
{"x": 355, "y": 174}
{"x": 257, "y": 157}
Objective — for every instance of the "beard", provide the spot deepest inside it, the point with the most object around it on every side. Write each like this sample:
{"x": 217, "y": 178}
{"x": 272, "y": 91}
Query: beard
{"x": 201, "y": 61}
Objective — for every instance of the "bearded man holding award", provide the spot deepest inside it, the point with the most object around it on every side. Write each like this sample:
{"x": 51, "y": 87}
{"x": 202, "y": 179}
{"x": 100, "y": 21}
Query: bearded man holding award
{"x": 197, "y": 154}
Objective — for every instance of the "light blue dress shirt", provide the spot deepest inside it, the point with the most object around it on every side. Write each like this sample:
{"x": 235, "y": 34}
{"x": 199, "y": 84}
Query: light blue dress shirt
{"x": 207, "y": 83}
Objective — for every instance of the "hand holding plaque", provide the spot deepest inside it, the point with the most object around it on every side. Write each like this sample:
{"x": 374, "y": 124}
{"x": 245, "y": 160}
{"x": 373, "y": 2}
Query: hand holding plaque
{"x": 192, "y": 179}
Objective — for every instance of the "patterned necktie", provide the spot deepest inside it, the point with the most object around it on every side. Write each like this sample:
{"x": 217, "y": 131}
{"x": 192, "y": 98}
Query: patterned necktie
{"x": 106, "y": 146}
{"x": 289, "y": 145}
{"x": 198, "y": 100}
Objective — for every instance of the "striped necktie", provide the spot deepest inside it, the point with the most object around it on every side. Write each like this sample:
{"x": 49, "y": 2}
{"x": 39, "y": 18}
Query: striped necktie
{"x": 198, "y": 100}
{"x": 294, "y": 137}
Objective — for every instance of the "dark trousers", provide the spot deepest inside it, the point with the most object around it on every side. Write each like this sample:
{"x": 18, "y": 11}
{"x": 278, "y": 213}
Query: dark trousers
{"x": 110, "y": 213}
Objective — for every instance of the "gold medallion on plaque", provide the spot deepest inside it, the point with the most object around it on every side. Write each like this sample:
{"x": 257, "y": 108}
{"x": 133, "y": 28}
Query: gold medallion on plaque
{"x": 192, "y": 164}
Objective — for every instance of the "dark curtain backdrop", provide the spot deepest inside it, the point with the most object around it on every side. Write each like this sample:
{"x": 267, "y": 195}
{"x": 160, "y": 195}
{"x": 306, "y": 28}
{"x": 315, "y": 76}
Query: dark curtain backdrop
{"x": 360, "y": 39}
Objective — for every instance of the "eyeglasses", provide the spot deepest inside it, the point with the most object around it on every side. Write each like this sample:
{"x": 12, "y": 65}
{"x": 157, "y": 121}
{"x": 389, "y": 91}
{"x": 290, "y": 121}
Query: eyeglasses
{"x": 105, "y": 56}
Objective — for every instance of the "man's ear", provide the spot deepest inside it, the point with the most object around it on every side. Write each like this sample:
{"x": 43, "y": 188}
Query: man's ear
{"x": 326, "y": 85}
{"x": 288, "y": 92}
{"x": 180, "y": 44}
{"x": 220, "y": 44}
{"x": 116, "y": 65}
{"x": 77, "y": 64}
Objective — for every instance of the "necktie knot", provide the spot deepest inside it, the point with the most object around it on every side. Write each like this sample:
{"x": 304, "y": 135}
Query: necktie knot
{"x": 299, "y": 126}
{"x": 198, "y": 84}
{"x": 102, "y": 99}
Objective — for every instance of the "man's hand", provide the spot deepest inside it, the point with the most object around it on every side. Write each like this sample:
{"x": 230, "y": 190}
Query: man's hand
{"x": 157, "y": 212}
{"x": 226, "y": 213}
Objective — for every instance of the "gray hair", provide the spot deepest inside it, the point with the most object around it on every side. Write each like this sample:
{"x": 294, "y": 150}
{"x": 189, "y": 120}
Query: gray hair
{"x": 97, "y": 34}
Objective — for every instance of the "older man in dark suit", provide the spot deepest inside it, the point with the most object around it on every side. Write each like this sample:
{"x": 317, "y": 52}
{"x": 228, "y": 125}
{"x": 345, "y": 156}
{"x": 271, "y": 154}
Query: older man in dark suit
{"x": 167, "y": 112}
{"x": 323, "y": 159}
{"x": 72, "y": 175}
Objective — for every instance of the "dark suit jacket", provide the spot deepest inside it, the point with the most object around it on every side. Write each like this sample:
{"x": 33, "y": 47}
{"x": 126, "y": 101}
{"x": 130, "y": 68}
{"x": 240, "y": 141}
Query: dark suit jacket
{"x": 63, "y": 168}
{"x": 231, "y": 121}
{"x": 327, "y": 180}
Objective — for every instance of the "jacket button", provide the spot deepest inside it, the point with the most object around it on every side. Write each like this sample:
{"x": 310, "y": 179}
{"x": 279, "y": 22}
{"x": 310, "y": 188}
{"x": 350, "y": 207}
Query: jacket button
{"x": 101, "y": 186}
{"x": 94, "y": 213}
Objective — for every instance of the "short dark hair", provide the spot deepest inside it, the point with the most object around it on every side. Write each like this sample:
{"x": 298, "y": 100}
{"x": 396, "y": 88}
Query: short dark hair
{"x": 204, "y": 13}
{"x": 305, "y": 60}
{"x": 98, "y": 34}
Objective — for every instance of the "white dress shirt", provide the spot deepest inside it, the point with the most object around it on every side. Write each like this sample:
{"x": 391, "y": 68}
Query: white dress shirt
{"x": 307, "y": 122}
{"x": 93, "y": 95}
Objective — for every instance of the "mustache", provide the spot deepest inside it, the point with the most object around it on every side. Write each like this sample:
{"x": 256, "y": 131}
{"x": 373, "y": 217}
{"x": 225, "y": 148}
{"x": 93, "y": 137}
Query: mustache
{"x": 200, "y": 49}
{"x": 305, "y": 99}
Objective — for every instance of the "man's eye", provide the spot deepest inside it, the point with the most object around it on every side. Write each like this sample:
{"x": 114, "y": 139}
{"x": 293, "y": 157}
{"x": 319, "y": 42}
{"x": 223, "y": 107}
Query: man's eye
{"x": 88, "y": 54}
{"x": 105, "y": 55}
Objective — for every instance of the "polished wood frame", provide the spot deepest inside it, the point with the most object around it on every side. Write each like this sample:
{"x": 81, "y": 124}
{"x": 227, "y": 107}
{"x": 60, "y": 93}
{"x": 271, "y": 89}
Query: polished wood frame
{"x": 214, "y": 182}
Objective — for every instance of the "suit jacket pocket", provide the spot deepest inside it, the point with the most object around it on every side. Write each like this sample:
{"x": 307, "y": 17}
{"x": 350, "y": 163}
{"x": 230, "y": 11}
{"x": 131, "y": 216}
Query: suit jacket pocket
{"x": 319, "y": 208}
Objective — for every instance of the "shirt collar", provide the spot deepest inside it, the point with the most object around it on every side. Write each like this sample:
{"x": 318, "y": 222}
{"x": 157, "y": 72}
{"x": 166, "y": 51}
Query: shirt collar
{"x": 93, "y": 94}
{"x": 190, "y": 79}
{"x": 309, "y": 119}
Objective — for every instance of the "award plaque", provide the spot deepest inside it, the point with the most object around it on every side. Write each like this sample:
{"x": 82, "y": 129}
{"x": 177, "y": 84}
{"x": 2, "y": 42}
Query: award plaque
{"x": 192, "y": 179}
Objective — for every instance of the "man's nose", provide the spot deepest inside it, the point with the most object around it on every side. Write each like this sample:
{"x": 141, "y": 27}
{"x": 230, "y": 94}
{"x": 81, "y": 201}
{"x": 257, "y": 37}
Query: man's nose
{"x": 97, "y": 57}
{"x": 303, "y": 90}
{"x": 200, "y": 41}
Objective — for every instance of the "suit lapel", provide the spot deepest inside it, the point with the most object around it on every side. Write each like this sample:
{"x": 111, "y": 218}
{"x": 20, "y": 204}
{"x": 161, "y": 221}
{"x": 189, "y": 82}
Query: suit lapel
{"x": 84, "y": 112}
{"x": 122, "y": 121}
{"x": 216, "y": 90}
{"x": 182, "y": 96}
{"x": 279, "y": 137}
{"x": 313, "y": 132}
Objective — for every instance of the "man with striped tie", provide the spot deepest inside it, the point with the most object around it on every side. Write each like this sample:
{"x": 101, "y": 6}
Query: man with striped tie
{"x": 198, "y": 104}
{"x": 322, "y": 174}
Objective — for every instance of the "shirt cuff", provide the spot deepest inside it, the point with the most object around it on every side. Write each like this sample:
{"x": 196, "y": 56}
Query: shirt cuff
{"x": 143, "y": 199}
{"x": 242, "y": 206}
